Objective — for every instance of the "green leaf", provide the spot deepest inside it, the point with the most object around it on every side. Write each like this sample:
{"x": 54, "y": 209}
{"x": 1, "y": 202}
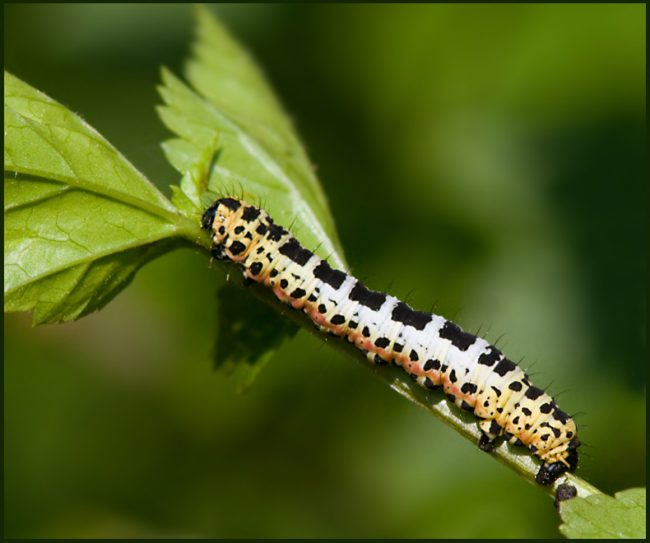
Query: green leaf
{"x": 79, "y": 218}
{"x": 602, "y": 517}
{"x": 260, "y": 156}
{"x": 248, "y": 333}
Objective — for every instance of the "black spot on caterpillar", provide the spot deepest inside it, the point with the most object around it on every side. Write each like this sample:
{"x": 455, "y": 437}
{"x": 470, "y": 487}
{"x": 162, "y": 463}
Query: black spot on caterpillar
{"x": 475, "y": 375}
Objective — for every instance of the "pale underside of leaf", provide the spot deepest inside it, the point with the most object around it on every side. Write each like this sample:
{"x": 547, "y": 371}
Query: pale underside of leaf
{"x": 259, "y": 158}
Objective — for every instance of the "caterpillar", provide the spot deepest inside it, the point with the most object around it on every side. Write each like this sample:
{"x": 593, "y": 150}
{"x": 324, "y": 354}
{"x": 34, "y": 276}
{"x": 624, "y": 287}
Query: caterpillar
{"x": 437, "y": 353}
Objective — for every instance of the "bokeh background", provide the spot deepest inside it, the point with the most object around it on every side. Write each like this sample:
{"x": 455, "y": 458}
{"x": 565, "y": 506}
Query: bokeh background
{"x": 488, "y": 159}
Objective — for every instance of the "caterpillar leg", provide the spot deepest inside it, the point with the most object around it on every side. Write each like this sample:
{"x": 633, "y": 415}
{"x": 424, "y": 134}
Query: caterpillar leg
{"x": 552, "y": 470}
{"x": 490, "y": 431}
{"x": 218, "y": 252}
{"x": 247, "y": 281}
{"x": 549, "y": 472}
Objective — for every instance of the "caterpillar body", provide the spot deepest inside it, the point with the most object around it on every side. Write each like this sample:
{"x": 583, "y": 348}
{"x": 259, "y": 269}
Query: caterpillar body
{"x": 436, "y": 353}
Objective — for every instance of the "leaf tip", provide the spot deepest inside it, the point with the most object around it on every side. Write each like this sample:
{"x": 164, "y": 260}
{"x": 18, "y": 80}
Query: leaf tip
{"x": 202, "y": 14}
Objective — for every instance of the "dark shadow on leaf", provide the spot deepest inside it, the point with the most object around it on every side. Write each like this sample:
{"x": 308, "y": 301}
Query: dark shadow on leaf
{"x": 248, "y": 333}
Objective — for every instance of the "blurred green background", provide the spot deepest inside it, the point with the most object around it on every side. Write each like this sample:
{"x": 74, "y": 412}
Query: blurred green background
{"x": 485, "y": 158}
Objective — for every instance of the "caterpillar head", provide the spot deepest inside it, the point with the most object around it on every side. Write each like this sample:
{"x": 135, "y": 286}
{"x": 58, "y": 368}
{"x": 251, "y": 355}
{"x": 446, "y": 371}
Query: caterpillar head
{"x": 233, "y": 225}
{"x": 219, "y": 218}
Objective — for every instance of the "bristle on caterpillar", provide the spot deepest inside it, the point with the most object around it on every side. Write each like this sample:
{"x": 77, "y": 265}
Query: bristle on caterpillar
{"x": 435, "y": 352}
